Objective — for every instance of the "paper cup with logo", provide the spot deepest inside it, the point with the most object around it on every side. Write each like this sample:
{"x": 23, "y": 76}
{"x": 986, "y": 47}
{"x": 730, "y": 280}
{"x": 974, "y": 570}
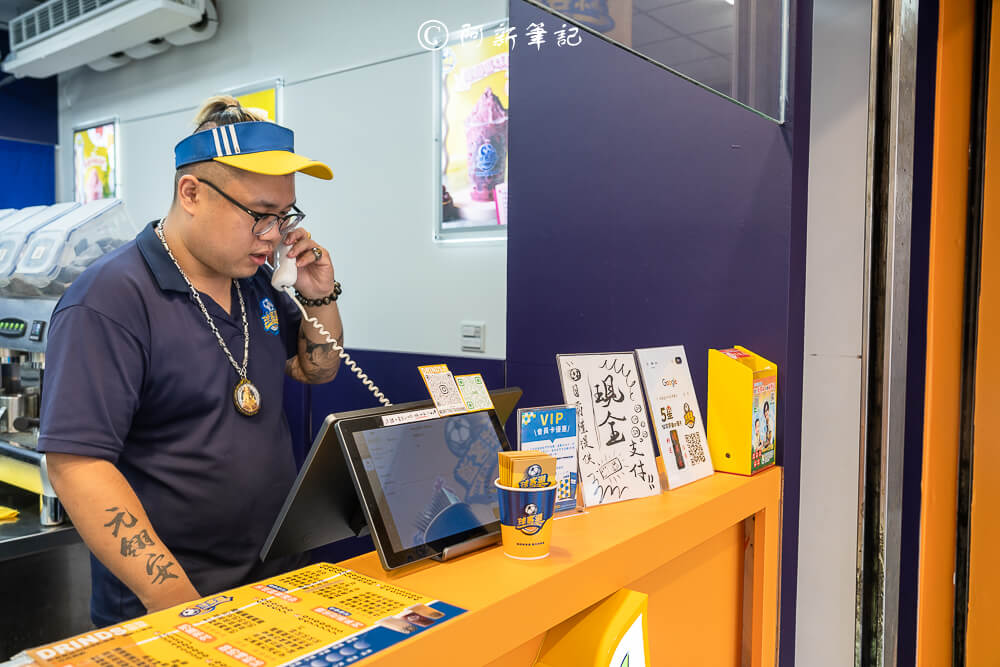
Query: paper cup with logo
{"x": 526, "y": 520}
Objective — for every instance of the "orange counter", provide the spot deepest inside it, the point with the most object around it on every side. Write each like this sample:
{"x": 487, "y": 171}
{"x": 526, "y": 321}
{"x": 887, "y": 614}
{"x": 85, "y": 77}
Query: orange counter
{"x": 695, "y": 551}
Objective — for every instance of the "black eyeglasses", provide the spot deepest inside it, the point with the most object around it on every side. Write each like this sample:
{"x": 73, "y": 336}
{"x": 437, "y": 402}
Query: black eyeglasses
{"x": 263, "y": 222}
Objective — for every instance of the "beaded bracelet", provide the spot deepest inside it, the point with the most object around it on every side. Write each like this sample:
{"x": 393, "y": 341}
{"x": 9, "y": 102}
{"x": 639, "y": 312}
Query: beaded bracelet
{"x": 325, "y": 301}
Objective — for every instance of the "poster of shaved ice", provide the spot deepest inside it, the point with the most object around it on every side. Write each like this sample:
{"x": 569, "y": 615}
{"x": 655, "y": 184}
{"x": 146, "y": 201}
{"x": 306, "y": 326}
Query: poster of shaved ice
{"x": 474, "y": 112}
{"x": 95, "y": 162}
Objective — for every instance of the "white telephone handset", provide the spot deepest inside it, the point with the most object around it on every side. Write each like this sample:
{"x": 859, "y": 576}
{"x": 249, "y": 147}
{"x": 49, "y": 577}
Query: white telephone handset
{"x": 285, "y": 272}
{"x": 284, "y": 277}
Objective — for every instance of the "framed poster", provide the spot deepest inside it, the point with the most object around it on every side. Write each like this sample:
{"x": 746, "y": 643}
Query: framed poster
{"x": 95, "y": 161}
{"x": 263, "y": 97}
{"x": 473, "y": 74}
{"x": 615, "y": 444}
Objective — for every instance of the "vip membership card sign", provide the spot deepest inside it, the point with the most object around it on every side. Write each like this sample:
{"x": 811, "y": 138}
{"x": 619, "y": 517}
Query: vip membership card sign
{"x": 552, "y": 430}
{"x": 321, "y": 612}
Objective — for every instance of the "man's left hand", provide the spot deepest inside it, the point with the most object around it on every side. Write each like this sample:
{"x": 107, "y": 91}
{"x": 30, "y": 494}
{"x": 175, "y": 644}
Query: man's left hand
{"x": 315, "y": 279}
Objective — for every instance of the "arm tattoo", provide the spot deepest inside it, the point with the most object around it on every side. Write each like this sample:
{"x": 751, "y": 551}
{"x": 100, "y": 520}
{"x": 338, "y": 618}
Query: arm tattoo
{"x": 321, "y": 357}
{"x": 119, "y": 520}
{"x": 318, "y": 352}
{"x": 162, "y": 570}
{"x": 133, "y": 544}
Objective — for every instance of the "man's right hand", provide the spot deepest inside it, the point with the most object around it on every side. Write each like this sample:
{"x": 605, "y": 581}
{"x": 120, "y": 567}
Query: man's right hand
{"x": 110, "y": 519}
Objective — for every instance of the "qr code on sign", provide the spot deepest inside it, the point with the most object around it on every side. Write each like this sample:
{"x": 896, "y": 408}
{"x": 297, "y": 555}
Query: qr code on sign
{"x": 695, "y": 449}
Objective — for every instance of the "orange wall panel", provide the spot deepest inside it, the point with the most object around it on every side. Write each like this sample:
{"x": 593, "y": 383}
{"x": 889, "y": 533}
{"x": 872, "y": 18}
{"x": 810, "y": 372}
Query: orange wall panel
{"x": 942, "y": 407}
{"x": 984, "y": 575}
{"x": 694, "y": 618}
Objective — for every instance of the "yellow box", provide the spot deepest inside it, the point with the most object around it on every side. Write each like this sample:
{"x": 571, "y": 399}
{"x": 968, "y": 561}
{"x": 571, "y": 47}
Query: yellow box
{"x": 742, "y": 409}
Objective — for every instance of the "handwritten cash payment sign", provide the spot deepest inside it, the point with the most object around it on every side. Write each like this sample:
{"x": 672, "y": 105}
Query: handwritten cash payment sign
{"x": 443, "y": 389}
{"x": 615, "y": 455}
{"x": 474, "y": 392}
{"x": 677, "y": 421}
{"x": 553, "y": 431}
{"x": 319, "y": 613}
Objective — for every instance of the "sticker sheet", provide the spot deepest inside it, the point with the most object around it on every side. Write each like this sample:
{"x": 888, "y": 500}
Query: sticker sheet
{"x": 616, "y": 456}
{"x": 676, "y": 416}
{"x": 443, "y": 389}
{"x": 320, "y": 612}
{"x": 474, "y": 392}
{"x": 553, "y": 431}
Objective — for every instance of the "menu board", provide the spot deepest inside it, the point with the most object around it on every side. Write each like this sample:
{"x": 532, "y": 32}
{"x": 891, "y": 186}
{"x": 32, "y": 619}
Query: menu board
{"x": 320, "y": 612}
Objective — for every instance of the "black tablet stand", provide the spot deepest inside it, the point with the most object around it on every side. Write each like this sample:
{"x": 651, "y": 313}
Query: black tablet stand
{"x": 468, "y": 546}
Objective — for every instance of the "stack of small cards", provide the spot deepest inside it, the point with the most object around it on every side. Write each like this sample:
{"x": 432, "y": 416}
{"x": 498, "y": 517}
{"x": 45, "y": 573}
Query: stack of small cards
{"x": 527, "y": 469}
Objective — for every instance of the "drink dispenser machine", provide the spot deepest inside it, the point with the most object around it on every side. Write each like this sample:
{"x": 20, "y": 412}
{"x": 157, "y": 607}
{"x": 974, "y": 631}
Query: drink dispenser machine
{"x": 42, "y": 250}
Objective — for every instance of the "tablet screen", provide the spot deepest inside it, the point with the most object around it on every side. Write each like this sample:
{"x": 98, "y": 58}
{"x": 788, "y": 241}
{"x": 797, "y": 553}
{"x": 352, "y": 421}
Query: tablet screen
{"x": 432, "y": 479}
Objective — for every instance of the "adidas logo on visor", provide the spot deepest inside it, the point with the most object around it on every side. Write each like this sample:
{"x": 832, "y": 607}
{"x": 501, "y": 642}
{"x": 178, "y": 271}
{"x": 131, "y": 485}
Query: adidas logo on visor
{"x": 227, "y": 133}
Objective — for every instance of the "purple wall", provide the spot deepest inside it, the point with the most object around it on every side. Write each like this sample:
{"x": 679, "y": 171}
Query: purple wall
{"x": 916, "y": 352}
{"x": 396, "y": 375}
{"x": 680, "y": 206}
{"x": 28, "y": 110}
{"x": 29, "y": 128}
{"x": 27, "y": 174}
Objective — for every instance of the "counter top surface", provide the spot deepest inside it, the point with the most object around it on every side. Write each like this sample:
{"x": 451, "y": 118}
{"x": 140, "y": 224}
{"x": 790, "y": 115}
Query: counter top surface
{"x": 607, "y": 547}
{"x": 26, "y": 535}
{"x": 595, "y": 552}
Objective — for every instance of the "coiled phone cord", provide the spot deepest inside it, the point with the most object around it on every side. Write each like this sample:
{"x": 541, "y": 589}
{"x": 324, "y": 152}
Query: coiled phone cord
{"x": 365, "y": 380}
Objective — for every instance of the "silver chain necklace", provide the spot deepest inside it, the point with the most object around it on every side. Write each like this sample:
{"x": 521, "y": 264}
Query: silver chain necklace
{"x": 246, "y": 397}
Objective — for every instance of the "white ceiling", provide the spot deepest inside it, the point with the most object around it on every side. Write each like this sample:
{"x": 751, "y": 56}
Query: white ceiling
{"x": 694, "y": 37}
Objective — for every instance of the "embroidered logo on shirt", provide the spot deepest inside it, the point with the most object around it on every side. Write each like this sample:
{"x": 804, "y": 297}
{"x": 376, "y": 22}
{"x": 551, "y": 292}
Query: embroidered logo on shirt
{"x": 269, "y": 316}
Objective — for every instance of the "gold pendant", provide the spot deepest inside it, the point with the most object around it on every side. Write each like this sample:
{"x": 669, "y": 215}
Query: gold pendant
{"x": 247, "y": 398}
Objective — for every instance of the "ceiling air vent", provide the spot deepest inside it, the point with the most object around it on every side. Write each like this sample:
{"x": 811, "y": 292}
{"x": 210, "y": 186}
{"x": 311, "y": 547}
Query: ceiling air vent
{"x": 60, "y": 35}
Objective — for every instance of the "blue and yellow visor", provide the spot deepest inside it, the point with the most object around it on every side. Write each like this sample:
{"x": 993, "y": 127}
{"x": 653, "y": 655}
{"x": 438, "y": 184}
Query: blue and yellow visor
{"x": 258, "y": 146}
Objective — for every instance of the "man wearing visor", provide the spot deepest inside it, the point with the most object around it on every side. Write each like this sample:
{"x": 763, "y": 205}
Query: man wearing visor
{"x": 162, "y": 414}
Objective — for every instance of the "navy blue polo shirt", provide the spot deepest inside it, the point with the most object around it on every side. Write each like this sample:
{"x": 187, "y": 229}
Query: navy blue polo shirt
{"x": 135, "y": 376}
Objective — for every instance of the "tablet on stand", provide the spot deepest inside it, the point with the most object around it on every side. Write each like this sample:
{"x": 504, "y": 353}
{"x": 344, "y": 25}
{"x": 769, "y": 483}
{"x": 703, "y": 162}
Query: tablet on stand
{"x": 323, "y": 504}
{"x": 426, "y": 486}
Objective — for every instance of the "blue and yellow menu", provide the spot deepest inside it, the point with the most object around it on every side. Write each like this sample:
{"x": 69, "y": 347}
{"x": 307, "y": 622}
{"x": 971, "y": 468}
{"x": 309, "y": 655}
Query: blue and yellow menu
{"x": 320, "y": 612}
